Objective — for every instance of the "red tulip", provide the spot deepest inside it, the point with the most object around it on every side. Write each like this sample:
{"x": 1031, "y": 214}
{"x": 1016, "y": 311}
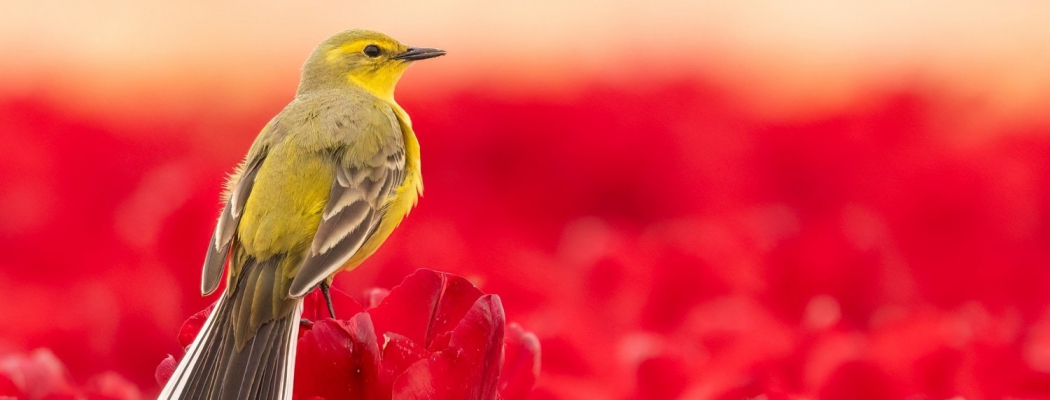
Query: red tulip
{"x": 434, "y": 336}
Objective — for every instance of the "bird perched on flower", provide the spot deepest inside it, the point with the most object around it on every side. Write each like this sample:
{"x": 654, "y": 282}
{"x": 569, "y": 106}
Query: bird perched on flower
{"x": 322, "y": 187}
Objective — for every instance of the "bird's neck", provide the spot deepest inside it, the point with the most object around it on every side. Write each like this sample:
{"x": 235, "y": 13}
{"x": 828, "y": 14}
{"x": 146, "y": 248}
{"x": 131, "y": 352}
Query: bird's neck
{"x": 381, "y": 86}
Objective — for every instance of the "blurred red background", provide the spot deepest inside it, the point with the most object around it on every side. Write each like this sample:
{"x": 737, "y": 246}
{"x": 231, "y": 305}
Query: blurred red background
{"x": 684, "y": 201}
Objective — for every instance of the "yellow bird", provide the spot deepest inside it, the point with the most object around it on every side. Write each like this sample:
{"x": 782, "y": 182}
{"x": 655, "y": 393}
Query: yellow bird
{"x": 324, "y": 184}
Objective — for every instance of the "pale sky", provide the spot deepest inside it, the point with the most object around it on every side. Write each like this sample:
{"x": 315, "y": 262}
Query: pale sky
{"x": 774, "y": 51}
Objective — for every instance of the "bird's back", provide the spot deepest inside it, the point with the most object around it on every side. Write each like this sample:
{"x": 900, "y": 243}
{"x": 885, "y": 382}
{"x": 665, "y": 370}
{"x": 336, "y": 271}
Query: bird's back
{"x": 305, "y": 146}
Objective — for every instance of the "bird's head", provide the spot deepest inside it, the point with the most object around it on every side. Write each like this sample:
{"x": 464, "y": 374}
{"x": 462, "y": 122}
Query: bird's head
{"x": 367, "y": 59}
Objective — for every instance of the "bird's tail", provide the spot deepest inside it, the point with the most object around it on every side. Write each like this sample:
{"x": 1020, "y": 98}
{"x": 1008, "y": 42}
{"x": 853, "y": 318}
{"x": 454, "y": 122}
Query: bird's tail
{"x": 216, "y": 368}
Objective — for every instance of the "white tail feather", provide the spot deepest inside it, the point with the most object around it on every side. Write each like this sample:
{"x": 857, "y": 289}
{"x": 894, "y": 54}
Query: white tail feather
{"x": 173, "y": 390}
{"x": 289, "y": 366}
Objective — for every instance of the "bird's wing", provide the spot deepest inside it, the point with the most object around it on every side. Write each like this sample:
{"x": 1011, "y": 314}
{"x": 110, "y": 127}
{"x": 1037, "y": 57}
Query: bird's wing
{"x": 222, "y": 239}
{"x": 355, "y": 209}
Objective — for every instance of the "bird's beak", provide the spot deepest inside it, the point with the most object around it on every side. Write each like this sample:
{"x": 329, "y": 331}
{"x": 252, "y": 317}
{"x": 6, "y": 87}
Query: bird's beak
{"x": 419, "y": 53}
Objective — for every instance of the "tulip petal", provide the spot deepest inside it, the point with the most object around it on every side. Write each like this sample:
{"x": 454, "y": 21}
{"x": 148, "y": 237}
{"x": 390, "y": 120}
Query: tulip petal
{"x": 375, "y": 296}
{"x": 469, "y": 369}
{"x": 521, "y": 363}
{"x": 193, "y": 325}
{"x": 338, "y": 360}
{"x": 399, "y": 353}
{"x": 315, "y": 308}
{"x": 165, "y": 370}
{"x": 424, "y": 305}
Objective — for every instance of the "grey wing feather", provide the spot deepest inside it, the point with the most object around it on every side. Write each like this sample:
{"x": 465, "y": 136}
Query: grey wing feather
{"x": 222, "y": 238}
{"x": 354, "y": 211}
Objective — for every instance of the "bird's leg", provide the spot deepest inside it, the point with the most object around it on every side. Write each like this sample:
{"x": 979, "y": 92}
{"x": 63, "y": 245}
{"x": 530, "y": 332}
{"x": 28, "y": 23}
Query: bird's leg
{"x": 327, "y": 298}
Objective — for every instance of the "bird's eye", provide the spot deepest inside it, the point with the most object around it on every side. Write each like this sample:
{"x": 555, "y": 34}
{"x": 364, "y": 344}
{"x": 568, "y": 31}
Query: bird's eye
{"x": 372, "y": 51}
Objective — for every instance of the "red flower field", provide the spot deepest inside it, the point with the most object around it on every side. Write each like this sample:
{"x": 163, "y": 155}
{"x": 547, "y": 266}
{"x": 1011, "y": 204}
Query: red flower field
{"x": 665, "y": 232}
{"x": 688, "y": 251}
